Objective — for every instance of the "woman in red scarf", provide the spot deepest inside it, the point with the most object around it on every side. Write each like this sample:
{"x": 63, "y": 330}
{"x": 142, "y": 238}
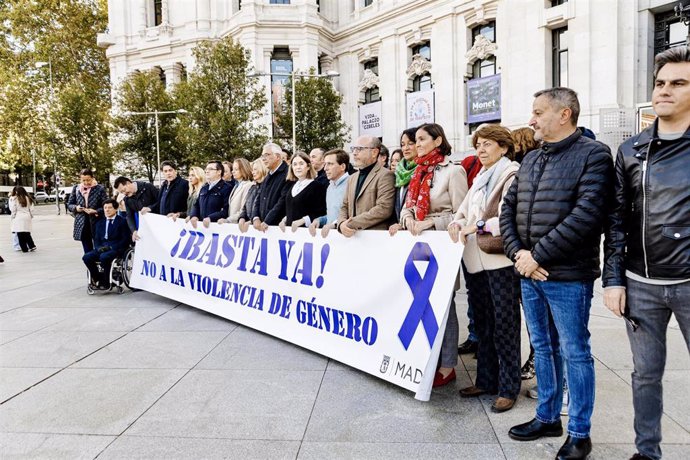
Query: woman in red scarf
{"x": 435, "y": 192}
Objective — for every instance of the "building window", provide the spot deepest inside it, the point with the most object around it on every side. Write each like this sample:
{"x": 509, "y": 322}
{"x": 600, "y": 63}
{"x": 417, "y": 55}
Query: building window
{"x": 372, "y": 94}
{"x": 368, "y": 3}
{"x": 559, "y": 57}
{"x": 157, "y": 12}
{"x": 484, "y": 67}
{"x": 183, "y": 72}
{"x": 557, "y": 2}
{"x": 423, "y": 49}
{"x": 281, "y": 62}
{"x": 669, "y": 32}
{"x": 279, "y": 2}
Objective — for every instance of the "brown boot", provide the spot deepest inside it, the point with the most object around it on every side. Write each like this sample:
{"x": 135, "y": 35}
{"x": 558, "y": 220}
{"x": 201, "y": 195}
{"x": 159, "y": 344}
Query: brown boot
{"x": 472, "y": 391}
{"x": 502, "y": 404}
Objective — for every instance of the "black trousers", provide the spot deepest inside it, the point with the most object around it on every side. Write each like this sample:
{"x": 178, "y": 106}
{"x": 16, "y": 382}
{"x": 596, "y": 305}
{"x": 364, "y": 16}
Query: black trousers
{"x": 25, "y": 241}
{"x": 495, "y": 298}
{"x": 87, "y": 237}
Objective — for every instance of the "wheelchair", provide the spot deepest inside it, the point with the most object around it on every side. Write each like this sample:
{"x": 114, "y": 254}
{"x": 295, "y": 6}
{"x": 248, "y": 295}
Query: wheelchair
{"x": 120, "y": 274}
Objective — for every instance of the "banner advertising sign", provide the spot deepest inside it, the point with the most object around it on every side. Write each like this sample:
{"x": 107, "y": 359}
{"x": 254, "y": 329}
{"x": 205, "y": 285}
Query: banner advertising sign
{"x": 370, "y": 120}
{"x": 484, "y": 99}
{"x": 374, "y": 302}
{"x": 420, "y": 108}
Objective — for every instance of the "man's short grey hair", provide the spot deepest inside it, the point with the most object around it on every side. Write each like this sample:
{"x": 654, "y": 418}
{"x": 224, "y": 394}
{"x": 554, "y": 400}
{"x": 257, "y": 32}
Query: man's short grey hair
{"x": 273, "y": 148}
{"x": 375, "y": 143}
{"x": 678, "y": 54}
{"x": 563, "y": 98}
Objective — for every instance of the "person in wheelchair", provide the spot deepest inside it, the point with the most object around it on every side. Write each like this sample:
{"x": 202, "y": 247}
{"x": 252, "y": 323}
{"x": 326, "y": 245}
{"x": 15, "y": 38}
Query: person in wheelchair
{"x": 111, "y": 238}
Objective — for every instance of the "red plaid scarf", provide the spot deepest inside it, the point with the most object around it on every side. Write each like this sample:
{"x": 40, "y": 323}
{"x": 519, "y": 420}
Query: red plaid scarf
{"x": 420, "y": 184}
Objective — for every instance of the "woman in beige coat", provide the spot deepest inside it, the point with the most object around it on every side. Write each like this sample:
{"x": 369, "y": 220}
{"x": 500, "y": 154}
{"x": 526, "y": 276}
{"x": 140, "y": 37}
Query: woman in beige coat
{"x": 21, "y": 206}
{"x": 493, "y": 288}
{"x": 434, "y": 194}
{"x": 242, "y": 173}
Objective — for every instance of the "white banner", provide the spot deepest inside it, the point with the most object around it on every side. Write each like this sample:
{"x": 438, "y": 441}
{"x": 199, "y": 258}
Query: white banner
{"x": 420, "y": 108}
{"x": 370, "y": 120}
{"x": 374, "y": 302}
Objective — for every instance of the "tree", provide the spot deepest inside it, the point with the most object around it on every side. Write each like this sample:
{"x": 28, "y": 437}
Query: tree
{"x": 317, "y": 111}
{"x": 31, "y": 118}
{"x": 224, "y": 104}
{"x": 136, "y": 134}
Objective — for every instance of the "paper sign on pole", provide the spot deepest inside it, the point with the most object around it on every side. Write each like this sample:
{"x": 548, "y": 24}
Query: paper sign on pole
{"x": 370, "y": 120}
{"x": 374, "y": 302}
{"x": 420, "y": 108}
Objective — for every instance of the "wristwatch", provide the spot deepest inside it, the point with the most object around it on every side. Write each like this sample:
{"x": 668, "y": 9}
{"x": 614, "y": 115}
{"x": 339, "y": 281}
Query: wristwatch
{"x": 480, "y": 226}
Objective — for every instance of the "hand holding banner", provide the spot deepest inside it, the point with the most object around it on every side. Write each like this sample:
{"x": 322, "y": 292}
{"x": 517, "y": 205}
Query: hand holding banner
{"x": 340, "y": 297}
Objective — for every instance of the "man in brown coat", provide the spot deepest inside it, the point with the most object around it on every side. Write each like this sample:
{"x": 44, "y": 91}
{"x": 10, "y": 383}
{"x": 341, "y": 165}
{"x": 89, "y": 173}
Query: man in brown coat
{"x": 370, "y": 195}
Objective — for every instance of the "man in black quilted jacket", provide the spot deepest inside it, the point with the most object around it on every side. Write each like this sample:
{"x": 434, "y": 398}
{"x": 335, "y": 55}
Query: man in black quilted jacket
{"x": 551, "y": 221}
{"x": 647, "y": 264}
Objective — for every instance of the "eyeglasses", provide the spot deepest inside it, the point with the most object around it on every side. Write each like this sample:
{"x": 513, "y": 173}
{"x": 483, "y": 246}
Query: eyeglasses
{"x": 358, "y": 148}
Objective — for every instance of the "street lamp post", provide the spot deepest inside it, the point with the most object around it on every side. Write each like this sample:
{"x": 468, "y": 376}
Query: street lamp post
{"x": 292, "y": 75}
{"x": 39, "y": 65}
{"x": 155, "y": 113}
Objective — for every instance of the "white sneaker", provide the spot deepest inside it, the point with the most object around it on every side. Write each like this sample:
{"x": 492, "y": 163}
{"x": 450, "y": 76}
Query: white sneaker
{"x": 533, "y": 392}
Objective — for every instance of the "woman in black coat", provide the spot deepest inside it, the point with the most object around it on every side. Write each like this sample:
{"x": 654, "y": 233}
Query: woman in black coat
{"x": 306, "y": 198}
{"x": 86, "y": 205}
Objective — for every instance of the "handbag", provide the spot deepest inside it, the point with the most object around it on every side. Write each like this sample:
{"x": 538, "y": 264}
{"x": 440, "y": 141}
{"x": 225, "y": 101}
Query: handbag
{"x": 486, "y": 241}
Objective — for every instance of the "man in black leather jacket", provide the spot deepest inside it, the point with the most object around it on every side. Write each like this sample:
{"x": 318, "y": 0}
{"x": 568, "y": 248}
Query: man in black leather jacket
{"x": 551, "y": 221}
{"x": 648, "y": 241}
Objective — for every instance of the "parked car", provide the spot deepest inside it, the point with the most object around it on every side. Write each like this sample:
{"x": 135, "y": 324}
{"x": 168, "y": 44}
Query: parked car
{"x": 41, "y": 197}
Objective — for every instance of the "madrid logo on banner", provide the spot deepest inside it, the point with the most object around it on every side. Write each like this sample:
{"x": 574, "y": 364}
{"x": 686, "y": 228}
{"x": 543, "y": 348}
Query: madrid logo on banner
{"x": 374, "y": 302}
{"x": 370, "y": 120}
{"x": 420, "y": 108}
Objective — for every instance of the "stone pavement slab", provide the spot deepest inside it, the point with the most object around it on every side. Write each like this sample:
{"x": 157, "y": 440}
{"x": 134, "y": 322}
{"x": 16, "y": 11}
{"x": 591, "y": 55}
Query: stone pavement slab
{"x": 141, "y": 376}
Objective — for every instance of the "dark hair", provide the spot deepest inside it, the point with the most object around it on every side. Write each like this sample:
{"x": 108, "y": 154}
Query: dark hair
{"x": 675, "y": 55}
{"x": 218, "y": 165}
{"x": 383, "y": 152}
{"x": 168, "y": 163}
{"x": 320, "y": 149}
{"x": 122, "y": 180}
{"x": 86, "y": 172}
{"x": 497, "y": 133}
{"x": 435, "y": 131}
{"x": 411, "y": 134}
{"x": 564, "y": 98}
{"x": 396, "y": 151}
{"x": 310, "y": 171}
{"x": 112, "y": 202}
{"x": 341, "y": 156}
{"x": 22, "y": 196}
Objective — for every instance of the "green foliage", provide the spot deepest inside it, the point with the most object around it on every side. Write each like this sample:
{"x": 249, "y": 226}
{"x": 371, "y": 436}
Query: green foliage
{"x": 224, "y": 105}
{"x": 317, "y": 111}
{"x": 32, "y": 120}
{"x": 136, "y": 134}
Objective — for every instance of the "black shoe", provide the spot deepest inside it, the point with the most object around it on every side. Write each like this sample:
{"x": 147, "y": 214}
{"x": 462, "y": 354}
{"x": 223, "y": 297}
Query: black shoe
{"x": 527, "y": 371}
{"x": 639, "y": 456}
{"x": 467, "y": 347}
{"x": 575, "y": 449}
{"x": 534, "y": 429}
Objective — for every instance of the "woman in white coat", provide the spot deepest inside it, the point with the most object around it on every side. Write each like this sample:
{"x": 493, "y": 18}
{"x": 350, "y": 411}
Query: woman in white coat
{"x": 493, "y": 287}
{"x": 21, "y": 206}
{"x": 242, "y": 173}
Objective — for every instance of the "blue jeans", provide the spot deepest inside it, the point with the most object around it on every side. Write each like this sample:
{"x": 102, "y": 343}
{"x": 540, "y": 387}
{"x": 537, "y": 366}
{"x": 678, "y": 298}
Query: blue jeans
{"x": 558, "y": 338}
{"x": 652, "y": 306}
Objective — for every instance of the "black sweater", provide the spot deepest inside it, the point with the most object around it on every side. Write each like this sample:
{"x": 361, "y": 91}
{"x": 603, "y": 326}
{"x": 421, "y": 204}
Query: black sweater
{"x": 309, "y": 202}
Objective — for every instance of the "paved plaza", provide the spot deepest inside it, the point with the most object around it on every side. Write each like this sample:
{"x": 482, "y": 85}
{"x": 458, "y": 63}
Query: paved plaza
{"x": 141, "y": 376}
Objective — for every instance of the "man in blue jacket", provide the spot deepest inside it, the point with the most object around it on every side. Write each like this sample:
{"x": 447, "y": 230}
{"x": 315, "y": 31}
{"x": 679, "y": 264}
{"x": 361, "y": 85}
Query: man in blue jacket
{"x": 172, "y": 197}
{"x": 111, "y": 239}
{"x": 269, "y": 208}
{"x": 551, "y": 221}
{"x": 213, "y": 197}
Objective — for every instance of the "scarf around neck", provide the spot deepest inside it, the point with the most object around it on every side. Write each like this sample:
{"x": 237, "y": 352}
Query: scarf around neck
{"x": 486, "y": 180}
{"x": 418, "y": 193}
{"x": 403, "y": 172}
{"x": 84, "y": 190}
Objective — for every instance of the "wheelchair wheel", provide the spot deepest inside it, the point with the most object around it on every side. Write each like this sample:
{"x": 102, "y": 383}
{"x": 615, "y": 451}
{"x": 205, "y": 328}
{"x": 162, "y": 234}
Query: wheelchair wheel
{"x": 127, "y": 264}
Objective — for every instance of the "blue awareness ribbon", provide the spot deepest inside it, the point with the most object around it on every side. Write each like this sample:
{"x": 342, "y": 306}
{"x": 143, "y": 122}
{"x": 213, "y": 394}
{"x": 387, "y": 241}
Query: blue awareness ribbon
{"x": 420, "y": 310}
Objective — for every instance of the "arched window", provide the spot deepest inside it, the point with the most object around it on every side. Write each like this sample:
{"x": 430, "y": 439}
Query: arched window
{"x": 422, "y": 82}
